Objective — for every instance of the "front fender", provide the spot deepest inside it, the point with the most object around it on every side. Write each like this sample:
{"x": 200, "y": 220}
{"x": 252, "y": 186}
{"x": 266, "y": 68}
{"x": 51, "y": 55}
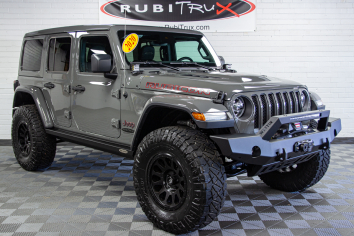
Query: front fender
{"x": 190, "y": 104}
{"x": 186, "y": 104}
{"x": 38, "y": 99}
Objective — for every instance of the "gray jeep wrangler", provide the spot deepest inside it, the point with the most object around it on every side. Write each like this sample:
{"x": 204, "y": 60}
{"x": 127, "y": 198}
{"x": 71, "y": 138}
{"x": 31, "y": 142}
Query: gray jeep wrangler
{"x": 188, "y": 120}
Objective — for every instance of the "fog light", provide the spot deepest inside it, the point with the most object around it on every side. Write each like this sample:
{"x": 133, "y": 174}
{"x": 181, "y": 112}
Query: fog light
{"x": 210, "y": 116}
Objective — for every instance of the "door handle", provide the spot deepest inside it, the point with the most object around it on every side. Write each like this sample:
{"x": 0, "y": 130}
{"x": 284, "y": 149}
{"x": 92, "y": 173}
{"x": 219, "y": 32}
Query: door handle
{"x": 49, "y": 85}
{"x": 78, "y": 88}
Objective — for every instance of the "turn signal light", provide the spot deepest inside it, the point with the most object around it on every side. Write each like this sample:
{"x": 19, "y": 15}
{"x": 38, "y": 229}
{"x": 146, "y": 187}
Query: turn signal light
{"x": 198, "y": 116}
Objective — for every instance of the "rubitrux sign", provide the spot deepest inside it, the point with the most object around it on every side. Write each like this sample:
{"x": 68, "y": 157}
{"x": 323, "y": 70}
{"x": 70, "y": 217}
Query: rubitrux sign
{"x": 202, "y": 15}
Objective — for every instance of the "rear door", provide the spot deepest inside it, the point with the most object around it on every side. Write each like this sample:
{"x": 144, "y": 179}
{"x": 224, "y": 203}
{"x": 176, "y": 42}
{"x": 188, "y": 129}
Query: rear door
{"x": 95, "y": 101}
{"x": 57, "y": 77}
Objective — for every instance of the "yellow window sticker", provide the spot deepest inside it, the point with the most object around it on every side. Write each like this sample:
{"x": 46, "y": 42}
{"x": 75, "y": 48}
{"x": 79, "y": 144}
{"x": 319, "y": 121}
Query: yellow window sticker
{"x": 130, "y": 43}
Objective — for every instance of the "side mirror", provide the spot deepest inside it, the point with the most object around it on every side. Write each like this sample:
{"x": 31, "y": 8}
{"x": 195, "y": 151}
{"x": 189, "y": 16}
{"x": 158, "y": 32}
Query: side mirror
{"x": 101, "y": 63}
{"x": 222, "y": 60}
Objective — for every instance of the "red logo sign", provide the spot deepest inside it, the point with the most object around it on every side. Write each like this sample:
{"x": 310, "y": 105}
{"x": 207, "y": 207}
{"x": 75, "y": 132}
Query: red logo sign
{"x": 184, "y": 89}
{"x": 129, "y": 124}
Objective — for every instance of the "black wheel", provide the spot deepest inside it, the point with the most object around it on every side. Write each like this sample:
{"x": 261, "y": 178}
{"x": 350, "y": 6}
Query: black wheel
{"x": 167, "y": 181}
{"x": 305, "y": 174}
{"x": 33, "y": 148}
{"x": 179, "y": 179}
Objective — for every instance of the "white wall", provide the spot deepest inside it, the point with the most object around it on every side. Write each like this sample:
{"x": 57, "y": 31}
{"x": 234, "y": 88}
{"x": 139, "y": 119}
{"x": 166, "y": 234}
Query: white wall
{"x": 311, "y": 41}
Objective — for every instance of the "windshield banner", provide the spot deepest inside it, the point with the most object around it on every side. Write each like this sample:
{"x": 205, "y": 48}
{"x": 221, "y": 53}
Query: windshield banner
{"x": 201, "y": 15}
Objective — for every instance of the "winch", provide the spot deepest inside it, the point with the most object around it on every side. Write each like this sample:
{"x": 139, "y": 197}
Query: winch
{"x": 304, "y": 146}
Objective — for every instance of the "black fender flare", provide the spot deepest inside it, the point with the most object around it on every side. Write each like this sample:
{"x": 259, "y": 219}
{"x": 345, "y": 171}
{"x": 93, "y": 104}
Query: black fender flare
{"x": 314, "y": 101}
{"x": 39, "y": 100}
{"x": 186, "y": 104}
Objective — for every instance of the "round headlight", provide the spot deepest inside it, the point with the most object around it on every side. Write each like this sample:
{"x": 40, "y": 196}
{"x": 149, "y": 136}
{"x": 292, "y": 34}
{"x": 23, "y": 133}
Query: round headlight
{"x": 239, "y": 106}
{"x": 303, "y": 99}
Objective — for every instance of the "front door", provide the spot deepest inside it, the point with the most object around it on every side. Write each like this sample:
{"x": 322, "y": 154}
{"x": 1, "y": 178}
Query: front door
{"x": 95, "y": 102}
{"x": 57, "y": 77}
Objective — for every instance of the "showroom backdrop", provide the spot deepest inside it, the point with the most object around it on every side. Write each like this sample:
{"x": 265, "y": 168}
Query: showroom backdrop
{"x": 312, "y": 43}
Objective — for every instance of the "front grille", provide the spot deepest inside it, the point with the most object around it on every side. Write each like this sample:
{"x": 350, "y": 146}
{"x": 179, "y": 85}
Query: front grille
{"x": 279, "y": 103}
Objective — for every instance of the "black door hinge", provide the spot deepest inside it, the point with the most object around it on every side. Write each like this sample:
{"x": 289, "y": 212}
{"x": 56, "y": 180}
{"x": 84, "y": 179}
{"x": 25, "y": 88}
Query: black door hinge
{"x": 115, "y": 123}
{"x": 117, "y": 94}
{"x": 67, "y": 114}
{"x": 67, "y": 88}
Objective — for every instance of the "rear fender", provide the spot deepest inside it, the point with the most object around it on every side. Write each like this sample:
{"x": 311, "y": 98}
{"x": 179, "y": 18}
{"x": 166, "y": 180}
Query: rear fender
{"x": 38, "y": 99}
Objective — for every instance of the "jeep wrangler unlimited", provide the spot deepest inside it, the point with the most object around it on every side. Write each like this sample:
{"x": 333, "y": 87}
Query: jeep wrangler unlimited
{"x": 186, "y": 117}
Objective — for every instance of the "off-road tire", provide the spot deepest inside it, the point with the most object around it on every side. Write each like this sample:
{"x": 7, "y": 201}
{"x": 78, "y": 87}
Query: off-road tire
{"x": 41, "y": 148}
{"x": 304, "y": 176}
{"x": 205, "y": 175}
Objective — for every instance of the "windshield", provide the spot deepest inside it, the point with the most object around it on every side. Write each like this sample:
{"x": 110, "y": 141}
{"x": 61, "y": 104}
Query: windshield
{"x": 171, "y": 48}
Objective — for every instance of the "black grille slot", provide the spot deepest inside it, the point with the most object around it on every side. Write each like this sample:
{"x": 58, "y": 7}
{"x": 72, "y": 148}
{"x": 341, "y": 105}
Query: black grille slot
{"x": 299, "y": 101}
{"x": 292, "y": 101}
{"x": 286, "y": 102}
{"x": 272, "y": 105}
{"x": 281, "y": 112}
{"x": 265, "y": 107}
{"x": 256, "y": 109}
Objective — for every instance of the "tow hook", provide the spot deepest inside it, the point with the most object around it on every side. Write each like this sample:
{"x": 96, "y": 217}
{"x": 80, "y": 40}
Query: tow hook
{"x": 325, "y": 145}
{"x": 304, "y": 146}
{"x": 282, "y": 156}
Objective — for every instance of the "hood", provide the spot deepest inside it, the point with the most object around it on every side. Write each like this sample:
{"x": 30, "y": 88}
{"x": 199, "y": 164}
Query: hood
{"x": 209, "y": 84}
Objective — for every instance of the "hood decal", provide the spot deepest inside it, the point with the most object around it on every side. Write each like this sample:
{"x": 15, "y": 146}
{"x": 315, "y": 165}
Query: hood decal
{"x": 184, "y": 89}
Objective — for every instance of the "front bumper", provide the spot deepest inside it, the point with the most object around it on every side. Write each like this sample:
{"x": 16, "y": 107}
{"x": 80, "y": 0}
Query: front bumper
{"x": 241, "y": 147}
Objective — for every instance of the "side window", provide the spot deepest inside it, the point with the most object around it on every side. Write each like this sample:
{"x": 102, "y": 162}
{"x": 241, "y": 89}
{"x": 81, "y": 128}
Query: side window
{"x": 90, "y": 45}
{"x": 59, "y": 54}
{"x": 32, "y": 55}
{"x": 189, "y": 49}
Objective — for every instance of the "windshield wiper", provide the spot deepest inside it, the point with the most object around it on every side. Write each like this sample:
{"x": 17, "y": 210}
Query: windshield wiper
{"x": 157, "y": 63}
{"x": 193, "y": 63}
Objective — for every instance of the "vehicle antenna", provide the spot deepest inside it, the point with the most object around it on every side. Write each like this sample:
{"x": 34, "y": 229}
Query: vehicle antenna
{"x": 125, "y": 35}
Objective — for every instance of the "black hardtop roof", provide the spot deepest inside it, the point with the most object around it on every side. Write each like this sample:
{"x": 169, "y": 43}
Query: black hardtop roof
{"x": 76, "y": 28}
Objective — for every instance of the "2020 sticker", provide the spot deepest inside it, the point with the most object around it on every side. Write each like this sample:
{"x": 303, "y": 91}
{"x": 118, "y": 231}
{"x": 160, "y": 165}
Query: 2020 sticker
{"x": 130, "y": 43}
